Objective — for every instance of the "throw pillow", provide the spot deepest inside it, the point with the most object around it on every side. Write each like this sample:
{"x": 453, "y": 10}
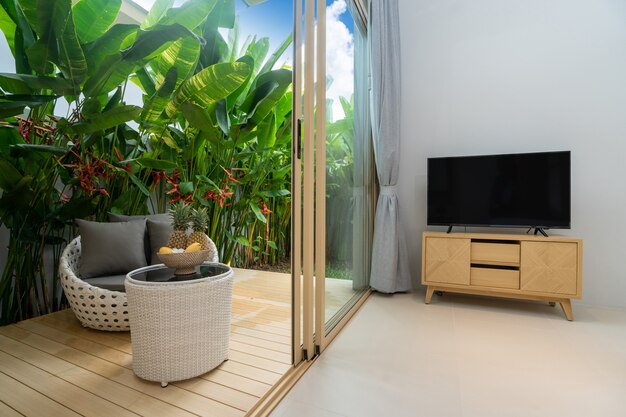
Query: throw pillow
{"x": 141, "y": 217}
{"x": 159, "y": 233}
{"x": 111, "y": 248}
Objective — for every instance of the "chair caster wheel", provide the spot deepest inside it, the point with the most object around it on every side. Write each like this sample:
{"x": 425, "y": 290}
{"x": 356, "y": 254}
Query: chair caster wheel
{"x": 164, "y": 384}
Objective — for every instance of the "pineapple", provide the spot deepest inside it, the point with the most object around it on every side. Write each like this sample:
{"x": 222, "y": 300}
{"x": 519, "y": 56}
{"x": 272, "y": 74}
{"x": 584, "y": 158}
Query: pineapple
{"x": 199, "y": 222}
{"x": 181, "y": 214}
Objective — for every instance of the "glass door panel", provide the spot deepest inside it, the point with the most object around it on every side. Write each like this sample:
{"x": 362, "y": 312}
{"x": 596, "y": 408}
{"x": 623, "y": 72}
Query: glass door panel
{"x": 348, "y": 191}
{"x": 332, "y": 178}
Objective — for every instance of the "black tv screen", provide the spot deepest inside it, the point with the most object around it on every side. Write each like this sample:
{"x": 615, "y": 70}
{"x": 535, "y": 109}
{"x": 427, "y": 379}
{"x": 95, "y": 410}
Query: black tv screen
{"x": 514, "y": 190}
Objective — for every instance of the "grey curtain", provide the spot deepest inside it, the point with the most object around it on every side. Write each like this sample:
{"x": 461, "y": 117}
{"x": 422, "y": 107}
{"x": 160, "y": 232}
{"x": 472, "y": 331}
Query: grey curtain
{"x": 390, "y": 271}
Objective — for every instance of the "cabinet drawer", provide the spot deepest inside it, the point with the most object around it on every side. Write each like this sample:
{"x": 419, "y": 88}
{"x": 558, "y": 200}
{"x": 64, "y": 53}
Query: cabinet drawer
{"x": 495, "y": 253}
{"x": 498, "y": 278}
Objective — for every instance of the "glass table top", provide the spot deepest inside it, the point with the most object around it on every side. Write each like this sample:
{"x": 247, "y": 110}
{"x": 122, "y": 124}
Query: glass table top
{"x": 161, "y": 273}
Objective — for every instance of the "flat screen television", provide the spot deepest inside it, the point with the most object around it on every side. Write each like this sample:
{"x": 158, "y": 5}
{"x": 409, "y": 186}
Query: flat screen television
{"x": 512, "y": 190}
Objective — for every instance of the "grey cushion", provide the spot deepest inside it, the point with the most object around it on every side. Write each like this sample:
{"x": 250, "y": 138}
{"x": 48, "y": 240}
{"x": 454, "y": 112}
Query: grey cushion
{"x": 141, "y": 217}
{"x": 108, "y": 282}
{"x": 159, "y": 233}
{"x": 111, "y": 248}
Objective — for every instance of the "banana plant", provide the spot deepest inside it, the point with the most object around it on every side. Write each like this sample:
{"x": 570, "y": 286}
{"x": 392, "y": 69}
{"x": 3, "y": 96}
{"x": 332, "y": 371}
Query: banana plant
{"x": 226, "y": 121}
{"x": 214, "y": 128}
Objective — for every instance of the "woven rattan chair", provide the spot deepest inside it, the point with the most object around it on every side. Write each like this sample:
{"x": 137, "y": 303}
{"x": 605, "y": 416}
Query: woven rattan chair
{"x": 179, "y": 330}
{"x": 96, "y": 307}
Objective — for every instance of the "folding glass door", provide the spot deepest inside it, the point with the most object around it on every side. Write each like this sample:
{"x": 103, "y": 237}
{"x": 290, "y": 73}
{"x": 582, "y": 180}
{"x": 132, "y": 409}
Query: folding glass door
{"x": 332, "y": 170}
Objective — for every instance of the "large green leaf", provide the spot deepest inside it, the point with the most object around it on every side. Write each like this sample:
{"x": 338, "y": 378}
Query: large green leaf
{"x": 191, "y": 14}
{"x": 71, "y": 60}
{"x": 28, "y": 9}
{"x": 257, "y": 211}
{"x": 19, "y": 197}
{"x": 57, "y": 41}
{"x": 10, "y": 9}
{"x": 145, "y": 81}
{"x": 94, "y": 17}
{"x": 211, "y": 84}
{"x": 266, "y": 132}
{"x": 271, "y": 61}
{"x": 156, "y": 163}
{"x": 44, "y": 50}
{"x": 182, "y": 55}
{"x": 263, "y": 104}
{"x": 108, "y": 119}
{"x": 284, "y": 107}
{"x": 139, "y": 185}
{"x": 9, "y": 175}
{"x": 24, "y": 37}
{"x": 258, "y": 50}
{"x": 24, "y": 84}
{"x": 223, "y": 14}
{"x": 197, "y": 117}
{"x": 116, "y": 68}
{"x": 150, "y": 43}
{"x": 214, "y": 49}
{"x": 27, "y": 149}
{"x": 8, "y": 26}
{"x": 157, "y": 11}
{"x": 221, "y": 115}
{"x": 201, "y": 119}
{"x": 275, "y": 193}
{"x": 109, "y": 44}
{"x": 30, "y": 100}
{"x": 8, "y": 136}
{"x": 153, "y": 108}
{"x": 238, "y": 96}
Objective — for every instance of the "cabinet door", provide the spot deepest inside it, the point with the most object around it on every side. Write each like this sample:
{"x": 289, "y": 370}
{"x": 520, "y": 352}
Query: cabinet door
{"x": 549, "y": 267}
{"x": 447, "y": 260}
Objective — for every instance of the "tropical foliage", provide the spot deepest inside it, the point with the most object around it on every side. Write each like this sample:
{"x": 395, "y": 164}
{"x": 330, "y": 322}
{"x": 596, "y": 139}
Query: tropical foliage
{"x": 213, "y": 130}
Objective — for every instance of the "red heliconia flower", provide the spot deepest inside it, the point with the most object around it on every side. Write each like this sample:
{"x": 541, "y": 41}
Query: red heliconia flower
{"x": 157, "y": 177}
{"x": 174, "y": 191}
{"x": 231, "y": 177}
{"x": 24, "y": 128}
{"x": 264, "y": 209}
{"x": 46, "y": 132}
{"x": 88, "y": 173}
{"x": 218, "y": 196}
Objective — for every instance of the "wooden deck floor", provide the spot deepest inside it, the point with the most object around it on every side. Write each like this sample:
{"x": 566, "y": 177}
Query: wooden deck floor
{"x": 51, "y": 366}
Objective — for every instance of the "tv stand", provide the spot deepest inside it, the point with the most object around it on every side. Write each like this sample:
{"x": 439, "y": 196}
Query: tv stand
{"x": 540, "y": 230}
{"x": 504, "y": 265}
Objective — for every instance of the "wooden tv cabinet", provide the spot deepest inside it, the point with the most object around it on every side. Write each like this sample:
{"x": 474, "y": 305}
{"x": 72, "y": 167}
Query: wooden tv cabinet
{"x": 504, "y": 265}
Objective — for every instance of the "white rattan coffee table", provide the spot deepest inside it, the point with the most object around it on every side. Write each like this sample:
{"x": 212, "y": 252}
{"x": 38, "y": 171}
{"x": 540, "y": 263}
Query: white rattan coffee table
{"x": 179, "y": 324}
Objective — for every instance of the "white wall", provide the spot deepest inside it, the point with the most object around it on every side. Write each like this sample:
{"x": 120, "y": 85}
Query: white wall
{"x": 498, "y": 76}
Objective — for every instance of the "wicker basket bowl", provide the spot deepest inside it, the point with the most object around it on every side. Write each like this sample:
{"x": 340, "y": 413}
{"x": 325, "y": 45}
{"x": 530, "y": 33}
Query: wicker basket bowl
{"x": 184, "y": 263}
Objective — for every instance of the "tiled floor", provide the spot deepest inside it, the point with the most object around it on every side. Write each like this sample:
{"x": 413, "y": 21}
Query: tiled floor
{"x": 465, "y": 356}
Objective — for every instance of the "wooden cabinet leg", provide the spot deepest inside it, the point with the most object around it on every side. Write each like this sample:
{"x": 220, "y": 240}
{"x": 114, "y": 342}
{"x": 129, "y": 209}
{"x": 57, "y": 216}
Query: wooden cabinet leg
{"x": 566, "y": 305}
{"x": 429, "y": 294}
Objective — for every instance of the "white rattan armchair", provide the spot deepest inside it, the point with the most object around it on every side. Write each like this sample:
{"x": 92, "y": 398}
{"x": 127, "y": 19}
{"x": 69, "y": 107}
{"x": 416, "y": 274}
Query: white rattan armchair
{"x": 96, "y": 307}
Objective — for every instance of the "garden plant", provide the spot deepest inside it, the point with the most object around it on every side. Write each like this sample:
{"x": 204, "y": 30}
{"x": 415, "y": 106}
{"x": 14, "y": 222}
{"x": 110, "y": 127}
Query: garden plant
{"x": 213, "y": 130}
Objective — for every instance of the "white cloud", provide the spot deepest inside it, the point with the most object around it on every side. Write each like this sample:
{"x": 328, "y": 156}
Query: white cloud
{"x": 339, "y": 57}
